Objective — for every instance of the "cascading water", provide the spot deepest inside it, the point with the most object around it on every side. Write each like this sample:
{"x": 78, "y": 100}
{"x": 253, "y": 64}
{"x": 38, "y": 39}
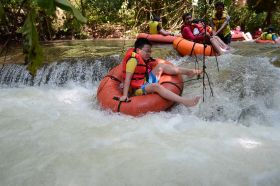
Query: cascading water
{"x": 56, "y": 74}
{"x": 52, "y": 131}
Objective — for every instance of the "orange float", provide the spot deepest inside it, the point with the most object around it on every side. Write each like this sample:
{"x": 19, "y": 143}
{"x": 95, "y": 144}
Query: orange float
{"x": 186, "y": 47}
{"x": 265, "y": 41}
{"x": 157, "y": 38}
{"x": 237, "y": 37}
{"x": 109, "y": 91}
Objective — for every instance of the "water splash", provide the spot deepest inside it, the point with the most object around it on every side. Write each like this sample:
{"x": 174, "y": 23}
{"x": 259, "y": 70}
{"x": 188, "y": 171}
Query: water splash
{"x": 82, "y": 71}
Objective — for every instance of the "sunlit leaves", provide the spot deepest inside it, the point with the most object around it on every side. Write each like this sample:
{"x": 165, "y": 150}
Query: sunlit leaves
{"x": 65, "y": 5}
{"x": 50, "y": 6}
{"x": 31, "y": 46}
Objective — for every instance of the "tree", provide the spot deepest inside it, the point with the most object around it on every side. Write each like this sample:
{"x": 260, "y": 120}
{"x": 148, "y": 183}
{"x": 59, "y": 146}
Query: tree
{"x": 268, "y": 6}
{"x": 30, "y": 9}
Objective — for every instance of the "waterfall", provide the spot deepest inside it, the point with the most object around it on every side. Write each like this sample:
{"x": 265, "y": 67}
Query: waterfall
{"x": 58, "y": 73}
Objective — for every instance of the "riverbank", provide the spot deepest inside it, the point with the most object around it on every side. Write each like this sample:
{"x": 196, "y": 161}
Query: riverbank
{"x": 57, "y": 50}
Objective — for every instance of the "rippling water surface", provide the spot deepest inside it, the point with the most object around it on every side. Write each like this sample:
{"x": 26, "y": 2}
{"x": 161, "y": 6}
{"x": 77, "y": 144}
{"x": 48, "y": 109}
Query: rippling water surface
{"x": 52, "y": 131}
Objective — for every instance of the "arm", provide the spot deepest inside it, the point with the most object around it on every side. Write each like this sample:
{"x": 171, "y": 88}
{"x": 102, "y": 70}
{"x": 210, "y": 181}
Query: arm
{"x": 130, "y": 68}
{"x": 192, "y": 72}
{"x": 212, "y": 26}
{"x": 187, "y": 34}
{"x": 257, "y": 38}
{"x": 128, "y": 77}
{"x": 164, "y": 32}
{"x": 223, "y": 25}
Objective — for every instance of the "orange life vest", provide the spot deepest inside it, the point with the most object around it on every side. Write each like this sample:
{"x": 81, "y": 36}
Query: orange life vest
{"x": 138, "y": 77}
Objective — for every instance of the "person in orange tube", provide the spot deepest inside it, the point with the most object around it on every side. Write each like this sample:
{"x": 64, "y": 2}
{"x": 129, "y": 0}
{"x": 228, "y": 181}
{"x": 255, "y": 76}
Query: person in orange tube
{"x": 237, "y": 31}
{"x": 258, "y": 33}
{"x": 188, "y": 32}
{"x": 143, "y": 79}
{"x": 156, "y": 28}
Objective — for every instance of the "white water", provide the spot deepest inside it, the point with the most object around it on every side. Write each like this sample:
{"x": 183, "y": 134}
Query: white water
{"x": 57, "y": 135}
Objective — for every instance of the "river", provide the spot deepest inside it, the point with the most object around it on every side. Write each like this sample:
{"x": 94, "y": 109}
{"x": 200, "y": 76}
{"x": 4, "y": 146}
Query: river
{"x": 52, "y": 131}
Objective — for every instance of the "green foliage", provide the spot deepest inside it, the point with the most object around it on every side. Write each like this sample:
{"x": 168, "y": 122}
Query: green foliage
{"x": 65, "y": 5}
{"x": 31, "y": 46}
{"x": 107, "y": 16}
{"x": 263, "y": 5}
{"x": 50, "y": 6}
{"x": 1, "y": 11}
{"x": 126, "y": 14}
{"x": 248, "y": 19}
{"x": 270, "y": 7}
{"x": 103, "y": 11}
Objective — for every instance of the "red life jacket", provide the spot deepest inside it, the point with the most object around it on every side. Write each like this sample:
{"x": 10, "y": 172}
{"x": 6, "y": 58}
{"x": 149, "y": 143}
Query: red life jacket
{"x": 138, "y": 77}
{"x": 257, "y": 34}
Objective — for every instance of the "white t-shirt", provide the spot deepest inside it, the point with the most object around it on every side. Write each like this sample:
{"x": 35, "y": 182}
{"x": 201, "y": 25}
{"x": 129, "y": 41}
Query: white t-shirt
{"x": 195, "y": 31}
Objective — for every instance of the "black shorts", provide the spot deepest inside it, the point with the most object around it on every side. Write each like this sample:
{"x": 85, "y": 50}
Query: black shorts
{"x": 226, "y": 39}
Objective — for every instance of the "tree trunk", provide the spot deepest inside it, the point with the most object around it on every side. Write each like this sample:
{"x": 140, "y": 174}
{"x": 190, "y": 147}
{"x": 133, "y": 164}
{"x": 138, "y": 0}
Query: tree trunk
{"x": 268, "y": 18}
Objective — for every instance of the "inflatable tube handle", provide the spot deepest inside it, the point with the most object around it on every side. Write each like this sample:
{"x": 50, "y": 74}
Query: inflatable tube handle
{"x": 118, "y": 99}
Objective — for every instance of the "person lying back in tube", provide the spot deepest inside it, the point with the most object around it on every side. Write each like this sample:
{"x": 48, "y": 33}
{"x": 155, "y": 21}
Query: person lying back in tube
{"x": 156, "y": 28}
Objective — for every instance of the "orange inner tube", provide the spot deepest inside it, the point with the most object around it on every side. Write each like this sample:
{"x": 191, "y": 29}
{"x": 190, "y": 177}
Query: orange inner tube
{"x": 237, "y": 37}
{"x": 186, "y": 47}
{"x": 109, "y": 90}
{"x": 157, "y": 38}
{"x": 265, "y": 41}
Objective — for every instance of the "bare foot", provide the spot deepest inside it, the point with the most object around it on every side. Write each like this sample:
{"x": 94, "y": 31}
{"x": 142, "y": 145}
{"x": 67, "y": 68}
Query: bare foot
{"x": 227, "y": 48}
{"x": 225, "y": 51}
{"x": 194, "y": 72}
{"x": 191, "y": 102}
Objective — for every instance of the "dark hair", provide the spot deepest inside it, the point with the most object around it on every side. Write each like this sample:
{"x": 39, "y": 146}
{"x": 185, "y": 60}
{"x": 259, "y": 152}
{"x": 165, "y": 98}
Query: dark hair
{"x": 197, "y": 20}
{"x": 186, "y": 15}
{"x": 156, "y": 18}
{"x": 140, "y": 42}
{"x": 219, "y": 4}
{"x": 270, "y": 29}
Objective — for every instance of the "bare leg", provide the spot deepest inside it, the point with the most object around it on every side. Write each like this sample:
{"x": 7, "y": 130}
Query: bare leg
{"x": 249, "y": 36}
{"x": 216, "y": 45}
{"x": 221, "y": 43}
{"x": 219, "y": 46}
{"x": 245, "y": 36}
{"x": 174, "y": 70}
{"x": 169, "y": 95}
